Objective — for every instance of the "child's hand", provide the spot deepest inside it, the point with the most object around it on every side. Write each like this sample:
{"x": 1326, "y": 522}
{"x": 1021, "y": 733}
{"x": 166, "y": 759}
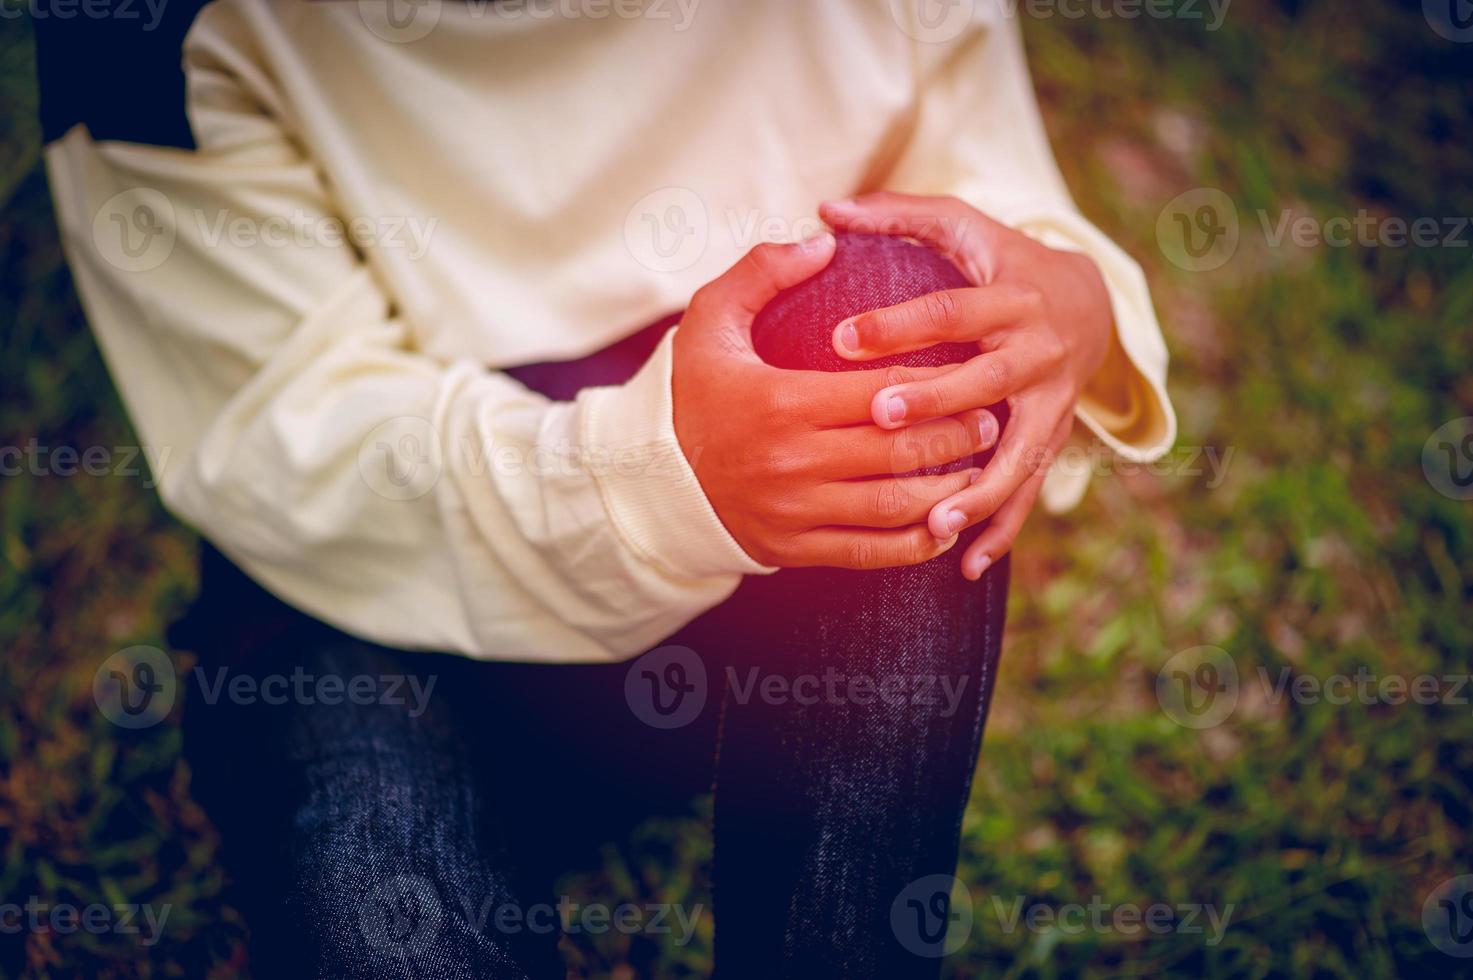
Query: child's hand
{"x": 1042, "y": 320}
{"x": 783, "y": 455}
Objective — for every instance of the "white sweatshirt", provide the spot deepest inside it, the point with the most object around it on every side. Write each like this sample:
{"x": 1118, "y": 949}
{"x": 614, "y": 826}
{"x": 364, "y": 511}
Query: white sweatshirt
{"x": 306, "y": 310}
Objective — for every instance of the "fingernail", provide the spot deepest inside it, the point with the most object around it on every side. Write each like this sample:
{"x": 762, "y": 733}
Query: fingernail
{"x": 849, "y": 337}
{"x": 817, "y": 243}
{"x": 973, "y": 477}
{"x": 895, "y": 408}
{"x": 981, "y": 567}
{"x": 954, "y": 520}
{"x": 987, "y": 430}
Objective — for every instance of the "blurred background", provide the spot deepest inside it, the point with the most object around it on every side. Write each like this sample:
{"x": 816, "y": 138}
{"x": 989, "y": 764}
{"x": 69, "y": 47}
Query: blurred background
{"x": 1210, "y": 700}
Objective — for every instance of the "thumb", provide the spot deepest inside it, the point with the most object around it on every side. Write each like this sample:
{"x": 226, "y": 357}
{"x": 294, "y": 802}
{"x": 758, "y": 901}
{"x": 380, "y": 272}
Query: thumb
{"x": 966, "y": 236}
{"x": 739, "y": 293}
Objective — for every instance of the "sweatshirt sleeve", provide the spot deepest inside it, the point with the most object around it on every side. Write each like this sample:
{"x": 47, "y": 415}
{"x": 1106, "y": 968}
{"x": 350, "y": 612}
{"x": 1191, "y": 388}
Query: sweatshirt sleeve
{"x": 408, "y": 500}
{"x": 979, "y": 136}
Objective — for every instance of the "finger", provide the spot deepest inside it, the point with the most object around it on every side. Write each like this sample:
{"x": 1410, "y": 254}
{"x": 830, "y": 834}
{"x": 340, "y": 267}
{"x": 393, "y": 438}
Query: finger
{"x": 867, "y": 451}
{"x": 1025, "y": 448}
{"x": 998, "y": 536}
{"x": 949, "y": 315}
{"x": 983, "y": 381}
{"x": 888, "y": 502}
{"x": 739, "y": 293}
{"x": 824, "y": 399}
{"x": 838, "y": 547}
{"x": 950, "y": 226}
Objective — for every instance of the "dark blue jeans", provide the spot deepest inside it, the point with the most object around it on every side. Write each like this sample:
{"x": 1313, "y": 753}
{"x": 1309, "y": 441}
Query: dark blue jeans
{"x": 395, "y": 814}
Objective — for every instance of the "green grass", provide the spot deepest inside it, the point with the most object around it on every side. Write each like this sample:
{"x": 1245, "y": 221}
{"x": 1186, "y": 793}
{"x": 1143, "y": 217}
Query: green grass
{"x": 1324, "y": 551}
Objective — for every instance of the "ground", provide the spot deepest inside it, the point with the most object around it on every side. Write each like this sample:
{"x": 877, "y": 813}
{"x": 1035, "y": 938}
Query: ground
{"x": 1296, "y": 530}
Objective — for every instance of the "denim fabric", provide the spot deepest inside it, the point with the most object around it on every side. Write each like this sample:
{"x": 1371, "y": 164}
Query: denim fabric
{"x": 380, "y": 839}
{"x": 838, "y": 807}
{"x": 867, "y": 272}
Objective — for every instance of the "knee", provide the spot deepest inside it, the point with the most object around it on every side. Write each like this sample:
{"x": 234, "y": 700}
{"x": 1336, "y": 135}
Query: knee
{"x": 367, "y": 903}
{"x": 867, "y": 272}
{"x": 346, "y": 921}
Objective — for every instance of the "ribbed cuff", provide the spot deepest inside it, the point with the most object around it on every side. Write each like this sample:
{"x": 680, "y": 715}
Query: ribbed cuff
{"x": 1135, "y": 325}
{"x": 649, "y": 489}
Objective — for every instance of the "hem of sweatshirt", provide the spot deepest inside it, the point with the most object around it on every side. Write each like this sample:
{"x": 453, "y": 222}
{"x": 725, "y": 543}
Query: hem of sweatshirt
{"x": 648, "y": 487}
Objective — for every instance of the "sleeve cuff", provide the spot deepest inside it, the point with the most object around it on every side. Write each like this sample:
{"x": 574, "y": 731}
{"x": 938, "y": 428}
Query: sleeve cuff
{"x": 1148, "y": 430}
{"x": 648, "y": 488}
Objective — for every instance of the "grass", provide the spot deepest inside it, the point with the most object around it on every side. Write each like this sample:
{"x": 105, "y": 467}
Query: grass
{"x": 1318, "y": 828}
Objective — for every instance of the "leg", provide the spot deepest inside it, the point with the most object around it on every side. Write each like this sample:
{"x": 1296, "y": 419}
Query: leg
{"x": 382, "y": 839}
{"x": 359, "y": 839}
{"x": 840, "y": 786}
